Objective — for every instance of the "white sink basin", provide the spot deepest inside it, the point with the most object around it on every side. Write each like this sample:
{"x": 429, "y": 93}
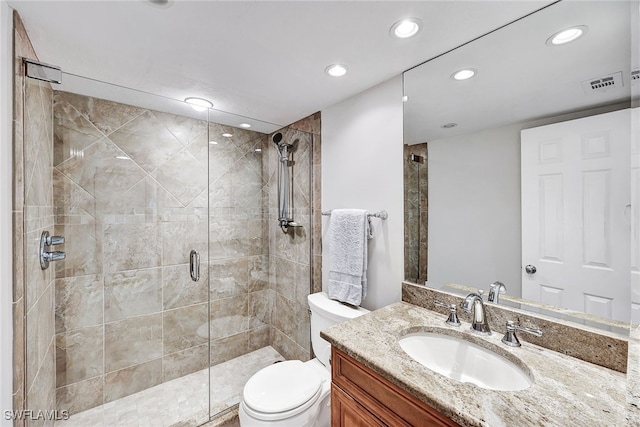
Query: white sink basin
{"x": 465, "y": 361}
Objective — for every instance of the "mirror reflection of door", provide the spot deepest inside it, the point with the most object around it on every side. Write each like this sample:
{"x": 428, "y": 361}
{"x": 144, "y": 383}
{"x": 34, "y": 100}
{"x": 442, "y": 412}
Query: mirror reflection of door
{"x": 575, "y": 219}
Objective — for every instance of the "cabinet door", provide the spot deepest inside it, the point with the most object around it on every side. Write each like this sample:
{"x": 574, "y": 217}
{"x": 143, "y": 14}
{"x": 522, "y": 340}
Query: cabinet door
{"x": 384, "y": 402}
{"x": 346, "y": 412}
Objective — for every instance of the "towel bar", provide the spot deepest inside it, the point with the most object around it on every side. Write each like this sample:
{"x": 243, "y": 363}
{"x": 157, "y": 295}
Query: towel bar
{"x": 381, "y": 214}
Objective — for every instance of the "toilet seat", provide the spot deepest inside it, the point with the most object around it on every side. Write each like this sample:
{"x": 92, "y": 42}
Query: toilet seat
{"x": 281, "y": 390}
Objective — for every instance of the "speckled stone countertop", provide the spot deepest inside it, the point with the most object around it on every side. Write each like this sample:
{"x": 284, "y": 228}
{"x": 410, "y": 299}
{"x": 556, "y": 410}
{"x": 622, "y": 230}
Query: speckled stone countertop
{"x": 633, "y": 378}
{"x": 566, "y": 391}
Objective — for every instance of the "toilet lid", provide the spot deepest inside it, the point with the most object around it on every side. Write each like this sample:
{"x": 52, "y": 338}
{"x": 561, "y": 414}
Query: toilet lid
{"x": 281, "y": 387}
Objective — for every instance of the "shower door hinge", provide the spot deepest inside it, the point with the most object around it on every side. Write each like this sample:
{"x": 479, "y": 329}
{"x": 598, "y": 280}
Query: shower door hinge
{"x": 41, "y": 71}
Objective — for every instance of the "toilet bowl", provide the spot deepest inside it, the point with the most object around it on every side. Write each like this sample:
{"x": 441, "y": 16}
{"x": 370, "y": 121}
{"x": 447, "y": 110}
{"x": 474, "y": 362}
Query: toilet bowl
{"x": 295, "y": 393}
{"x": 287, "y": 394}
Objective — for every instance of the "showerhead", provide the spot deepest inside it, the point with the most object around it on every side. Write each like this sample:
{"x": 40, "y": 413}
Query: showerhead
{"x": 276, "y": 138}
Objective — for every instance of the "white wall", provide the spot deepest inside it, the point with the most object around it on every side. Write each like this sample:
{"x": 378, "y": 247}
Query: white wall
{"x": 474, "y": 209}
{"x": 6, "y": 118}
{"x": 362, "y": 169}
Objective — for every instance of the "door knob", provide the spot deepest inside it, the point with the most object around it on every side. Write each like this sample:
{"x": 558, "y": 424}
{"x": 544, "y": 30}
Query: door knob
{"x": 530, "y": 269}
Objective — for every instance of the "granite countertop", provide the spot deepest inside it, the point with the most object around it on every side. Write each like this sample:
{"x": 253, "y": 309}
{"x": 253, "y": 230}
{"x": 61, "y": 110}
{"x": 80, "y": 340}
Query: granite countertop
{"x": 566, "y": 391}
{"x": 633, "y": 378}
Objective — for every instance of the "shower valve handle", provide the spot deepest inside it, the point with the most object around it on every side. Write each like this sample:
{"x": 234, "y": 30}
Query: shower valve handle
{"x": 54, "y": 240}
{"x": 45, "y": 255}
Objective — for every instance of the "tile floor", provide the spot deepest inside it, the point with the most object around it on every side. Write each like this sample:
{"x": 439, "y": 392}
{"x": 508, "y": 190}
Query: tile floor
{"x": 182, "y": 402}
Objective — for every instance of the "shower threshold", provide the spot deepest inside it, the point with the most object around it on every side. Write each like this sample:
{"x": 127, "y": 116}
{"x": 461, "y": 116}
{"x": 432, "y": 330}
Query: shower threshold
{"x": 182, "y": 402}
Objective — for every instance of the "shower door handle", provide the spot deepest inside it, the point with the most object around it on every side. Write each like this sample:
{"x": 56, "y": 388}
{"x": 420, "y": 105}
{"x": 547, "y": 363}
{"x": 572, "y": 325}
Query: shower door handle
{"x": 194, "y": 265}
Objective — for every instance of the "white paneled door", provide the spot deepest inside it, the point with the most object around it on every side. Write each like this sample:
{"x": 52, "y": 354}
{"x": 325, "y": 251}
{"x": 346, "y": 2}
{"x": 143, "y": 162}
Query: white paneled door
{"x": 576, "y": 218}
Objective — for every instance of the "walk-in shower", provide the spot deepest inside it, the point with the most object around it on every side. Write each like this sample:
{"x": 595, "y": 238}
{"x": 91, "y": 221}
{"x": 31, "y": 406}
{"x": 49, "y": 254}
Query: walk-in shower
{"x": 175, "y": 283}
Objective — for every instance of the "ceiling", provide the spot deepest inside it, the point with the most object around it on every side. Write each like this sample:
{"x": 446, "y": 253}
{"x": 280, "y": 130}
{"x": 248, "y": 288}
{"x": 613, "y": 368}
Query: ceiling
{"x": 520, "y": 78}
{"x": 260, "y": 59}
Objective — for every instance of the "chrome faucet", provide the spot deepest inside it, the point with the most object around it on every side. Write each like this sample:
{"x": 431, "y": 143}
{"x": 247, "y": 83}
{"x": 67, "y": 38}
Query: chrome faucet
{"x": 473, "y": 304}
{"x": 510, "y": 337}
{"x": 495, "y": 289}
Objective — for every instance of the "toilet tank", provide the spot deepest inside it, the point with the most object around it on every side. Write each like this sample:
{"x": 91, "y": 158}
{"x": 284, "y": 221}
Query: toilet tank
{"x": 324, "y": 313}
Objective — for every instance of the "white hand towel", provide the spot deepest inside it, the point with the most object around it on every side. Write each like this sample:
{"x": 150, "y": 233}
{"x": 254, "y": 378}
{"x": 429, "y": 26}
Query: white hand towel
{"x": 348, "y": 234}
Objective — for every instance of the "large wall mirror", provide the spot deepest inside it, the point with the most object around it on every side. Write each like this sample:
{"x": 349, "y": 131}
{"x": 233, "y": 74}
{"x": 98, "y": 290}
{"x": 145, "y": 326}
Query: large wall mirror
{"x": 528, "y": 163}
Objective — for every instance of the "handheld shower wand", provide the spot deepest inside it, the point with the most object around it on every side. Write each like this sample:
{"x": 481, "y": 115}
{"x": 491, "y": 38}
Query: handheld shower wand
{"x": 285, "y": 216}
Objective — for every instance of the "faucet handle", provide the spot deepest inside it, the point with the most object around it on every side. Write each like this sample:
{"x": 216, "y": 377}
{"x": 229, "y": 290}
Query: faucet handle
{"x": 510, "y": 337}
{"x": 452, "y": 320}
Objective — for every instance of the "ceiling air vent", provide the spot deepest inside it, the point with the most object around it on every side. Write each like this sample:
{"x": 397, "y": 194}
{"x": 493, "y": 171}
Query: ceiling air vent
{"x": 603, "y": 84}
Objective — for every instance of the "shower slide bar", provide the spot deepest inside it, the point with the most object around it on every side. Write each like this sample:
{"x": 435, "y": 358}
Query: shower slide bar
{"x": 381, "y": 214}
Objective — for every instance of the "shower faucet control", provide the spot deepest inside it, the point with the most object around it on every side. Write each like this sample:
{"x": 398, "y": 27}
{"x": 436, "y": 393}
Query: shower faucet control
{"x": 46, "y": 256}
{"x": 54, "y": 240}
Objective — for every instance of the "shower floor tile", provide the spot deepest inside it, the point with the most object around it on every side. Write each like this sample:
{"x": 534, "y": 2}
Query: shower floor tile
{"x": 182, "y": 402}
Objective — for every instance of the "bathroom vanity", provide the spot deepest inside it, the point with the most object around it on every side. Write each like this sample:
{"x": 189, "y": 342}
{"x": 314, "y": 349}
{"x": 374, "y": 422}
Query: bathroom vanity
{"x": 361, "y": 397}
{"x": 374, "y": 382}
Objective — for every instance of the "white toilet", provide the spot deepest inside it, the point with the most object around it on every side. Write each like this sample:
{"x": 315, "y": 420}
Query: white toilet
{"x": 296, "y": 393}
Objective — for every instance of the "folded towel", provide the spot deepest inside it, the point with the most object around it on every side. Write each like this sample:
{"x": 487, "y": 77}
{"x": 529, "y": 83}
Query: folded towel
{"x": 348, "y": 234}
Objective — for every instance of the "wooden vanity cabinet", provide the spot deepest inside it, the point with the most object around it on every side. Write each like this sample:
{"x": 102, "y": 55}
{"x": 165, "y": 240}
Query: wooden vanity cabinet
{"x": 362, "y": 398}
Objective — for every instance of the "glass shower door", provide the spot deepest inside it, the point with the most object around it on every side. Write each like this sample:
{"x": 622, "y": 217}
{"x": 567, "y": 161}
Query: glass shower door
{"x": 238, "y": 257}
{"x": 175, "y": 280}
{"x": 129, "y": 185}
{"x": 259, "y": 275}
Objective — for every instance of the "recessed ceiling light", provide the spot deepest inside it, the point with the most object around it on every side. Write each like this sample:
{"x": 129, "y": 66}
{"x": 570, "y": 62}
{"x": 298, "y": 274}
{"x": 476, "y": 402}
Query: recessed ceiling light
{"x": 336, "y": 70}
{"x": 258, "y": 150}
{"x": 464, "y": 74}
{"x": 568, "y": 35}
{"x": 123, "y": 158}
{"x": 213, "y": 142}
{"x": 227, "y": 135}
{"x": 245, "y": 125}
{"x": 406, "y": 28}
{"x": 198, "y": 104}
{"x": 449, "y": 125}
{"x": 160, "y": 3}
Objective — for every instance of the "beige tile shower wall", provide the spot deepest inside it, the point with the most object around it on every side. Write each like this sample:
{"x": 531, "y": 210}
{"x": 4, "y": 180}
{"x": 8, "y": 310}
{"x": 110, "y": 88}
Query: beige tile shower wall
{"x": 128, "y": 315}
{"x": 312, "y": 125}
{"x": 293, "y": 257}
{"x": 33, "y": 347}
{"x": 415, "y": 214}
